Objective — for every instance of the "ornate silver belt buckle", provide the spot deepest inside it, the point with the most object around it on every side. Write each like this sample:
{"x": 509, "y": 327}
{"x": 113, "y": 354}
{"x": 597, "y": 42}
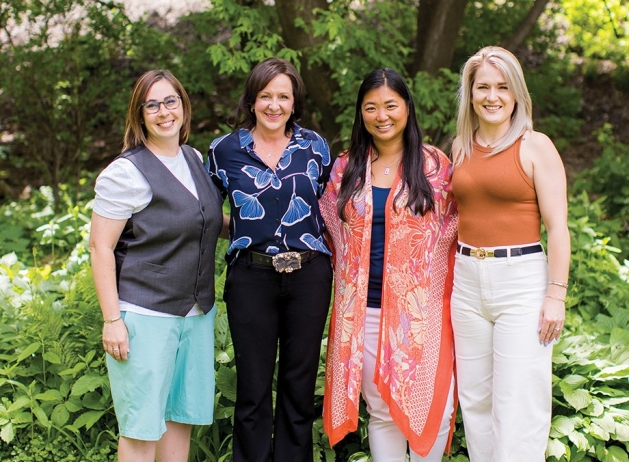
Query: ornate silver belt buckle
{"x": 287, "y": 262}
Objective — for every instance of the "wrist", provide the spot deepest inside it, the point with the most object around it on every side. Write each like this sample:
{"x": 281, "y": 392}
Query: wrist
{"x": 112, "y": 320}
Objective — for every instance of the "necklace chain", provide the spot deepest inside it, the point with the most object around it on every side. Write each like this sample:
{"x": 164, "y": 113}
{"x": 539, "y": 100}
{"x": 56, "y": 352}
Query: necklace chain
{"x": 387, "y": 168}
{"x": 488, "y": 145}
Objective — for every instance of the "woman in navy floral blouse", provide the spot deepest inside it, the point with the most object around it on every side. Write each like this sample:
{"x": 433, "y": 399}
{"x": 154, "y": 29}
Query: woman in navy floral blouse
{"x": 279, "y": 280}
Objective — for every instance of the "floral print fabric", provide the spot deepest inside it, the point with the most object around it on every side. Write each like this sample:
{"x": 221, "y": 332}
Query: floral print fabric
{"x": 273, "y": 210}
{"x": 414, "y": 365}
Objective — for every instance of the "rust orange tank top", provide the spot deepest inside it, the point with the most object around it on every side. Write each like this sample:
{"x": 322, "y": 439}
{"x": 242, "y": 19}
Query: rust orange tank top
{"x": 497, "y": 200}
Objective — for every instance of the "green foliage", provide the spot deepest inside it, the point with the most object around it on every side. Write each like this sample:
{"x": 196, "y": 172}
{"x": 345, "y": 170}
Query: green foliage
{"x": 608, "y": 177}
{"x": 436, "y": 104}
{"x": 60, "y": 82}
{"x": 598, "y": 30}
{"x": 557, "y": 102}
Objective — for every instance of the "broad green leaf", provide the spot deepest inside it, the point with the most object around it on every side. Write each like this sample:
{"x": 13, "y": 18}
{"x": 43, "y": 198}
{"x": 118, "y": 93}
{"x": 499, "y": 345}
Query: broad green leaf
{"x": 42, "y": 418}
{"x": 597, "y": 432}
{"x": 615, "y": 454}
{"x": 87, "y": 419}
{"x": 621, "y": 432}
{"x": 22, "y": 417}
{"x": 578, "y": 399}
{"x": 60, "y": 415}
{"x": 87, "y": 383}
{"x": 94, "y": 401}
{"x": 52, "y": 358}
{"x": 49, "y": 395}
{"x": 75, "y": 370}
{"x": 575, "y": 381}
{"x": 21, "y": 402}
{"x": 222, "y": 358}
{"x": 555, "y": 448}
{"x": 226, "y": 382}
{"x": 606, "y": 423}
{"x": 28, "y": 351}
{"x": 595, "y": 409}
{"x": 561, "y": 426}
{"x": 7, "y": 433}
{"x": 613, "y": 372}
{"x": 580, "y": 441}
{"x": 73, "y": 405}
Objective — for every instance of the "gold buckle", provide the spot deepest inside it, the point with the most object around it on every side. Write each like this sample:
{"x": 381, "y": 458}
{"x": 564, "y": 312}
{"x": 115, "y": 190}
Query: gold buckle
{"x": 287, "y": 262}
{"x": 481, "y": 254}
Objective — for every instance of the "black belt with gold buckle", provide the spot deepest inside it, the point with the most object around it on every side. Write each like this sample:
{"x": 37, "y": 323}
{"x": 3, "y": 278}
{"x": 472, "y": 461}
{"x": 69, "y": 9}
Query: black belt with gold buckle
{"x": 285, "y": 262}
{"x": 481, "y": 253}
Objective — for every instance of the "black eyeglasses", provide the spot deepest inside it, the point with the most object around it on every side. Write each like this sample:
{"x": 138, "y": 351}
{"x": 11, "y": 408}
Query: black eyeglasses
{"x": 152, "y": 106}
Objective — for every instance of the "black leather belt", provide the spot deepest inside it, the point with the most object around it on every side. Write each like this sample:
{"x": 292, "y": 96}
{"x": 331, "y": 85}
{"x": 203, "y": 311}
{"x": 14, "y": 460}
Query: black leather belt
{"x": 481, "y": 253}
{"x": 284, "y": 262}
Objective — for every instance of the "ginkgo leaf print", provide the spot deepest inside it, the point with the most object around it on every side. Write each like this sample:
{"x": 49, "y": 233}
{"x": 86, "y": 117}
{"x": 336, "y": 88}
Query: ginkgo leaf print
{"x": 240, "y": 243}
{"x": 222, "y": 174}
{"x": 298, "y": 209}
{"x": 319, "y": 147}
{"x": 312, "y": 170}
{"x": 262, "y": 178}
{"x": 272, "y": 249}
{"x": 313, "y": 243}
{"x": 284, "y": 162}
{"x": 250, "y": 207}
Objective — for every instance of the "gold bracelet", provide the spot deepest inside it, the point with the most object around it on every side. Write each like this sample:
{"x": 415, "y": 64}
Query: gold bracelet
{"x": 109, "y": 321}
{"x": 556, "y": 298}
{"x": 559, "y": 283}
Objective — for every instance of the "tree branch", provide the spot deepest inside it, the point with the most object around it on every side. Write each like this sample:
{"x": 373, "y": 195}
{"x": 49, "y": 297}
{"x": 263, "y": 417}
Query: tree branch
{"x": 525, "y": 27}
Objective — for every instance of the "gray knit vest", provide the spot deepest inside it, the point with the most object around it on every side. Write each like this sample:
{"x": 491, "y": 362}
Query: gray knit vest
{"x": 165, "y": 254}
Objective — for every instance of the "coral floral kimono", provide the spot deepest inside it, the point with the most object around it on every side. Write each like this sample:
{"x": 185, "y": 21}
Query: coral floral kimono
{"x": 414, "y": 364}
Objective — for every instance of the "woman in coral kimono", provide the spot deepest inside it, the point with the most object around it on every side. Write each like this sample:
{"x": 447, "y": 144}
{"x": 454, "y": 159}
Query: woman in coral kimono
{"x": 392, "y": 221}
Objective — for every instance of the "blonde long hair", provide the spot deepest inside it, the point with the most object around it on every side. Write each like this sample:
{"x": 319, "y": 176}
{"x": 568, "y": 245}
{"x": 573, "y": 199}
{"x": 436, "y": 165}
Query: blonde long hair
{"x": 467, "y": 120}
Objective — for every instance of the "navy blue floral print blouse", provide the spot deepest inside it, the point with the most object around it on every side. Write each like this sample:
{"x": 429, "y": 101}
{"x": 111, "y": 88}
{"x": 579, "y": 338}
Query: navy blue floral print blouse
{"x": 273, "y": 211}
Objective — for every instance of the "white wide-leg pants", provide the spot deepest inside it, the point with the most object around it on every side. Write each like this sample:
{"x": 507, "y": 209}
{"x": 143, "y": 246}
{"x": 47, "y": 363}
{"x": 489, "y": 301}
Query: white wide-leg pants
{"x": 386, "y": 441}
{"x": 504, "y": 375}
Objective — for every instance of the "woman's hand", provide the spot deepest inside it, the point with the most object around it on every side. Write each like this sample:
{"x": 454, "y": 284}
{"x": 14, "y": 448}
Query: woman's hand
{"x": 551, "y": 319}
{"x": 116, "y": 340}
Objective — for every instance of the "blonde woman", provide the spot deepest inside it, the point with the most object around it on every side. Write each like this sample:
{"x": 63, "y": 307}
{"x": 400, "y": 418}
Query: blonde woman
{"x": 508, "y": 302}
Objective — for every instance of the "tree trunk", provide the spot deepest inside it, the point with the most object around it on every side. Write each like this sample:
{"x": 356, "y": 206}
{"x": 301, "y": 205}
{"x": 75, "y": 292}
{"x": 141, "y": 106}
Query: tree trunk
{"x": 525, "y": 27}
{"x": 438, "y": 26}
{"x": 320, "y": 86}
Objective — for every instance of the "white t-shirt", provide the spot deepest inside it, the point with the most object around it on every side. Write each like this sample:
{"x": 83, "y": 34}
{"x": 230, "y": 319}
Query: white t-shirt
{"x": 122, "y": 190}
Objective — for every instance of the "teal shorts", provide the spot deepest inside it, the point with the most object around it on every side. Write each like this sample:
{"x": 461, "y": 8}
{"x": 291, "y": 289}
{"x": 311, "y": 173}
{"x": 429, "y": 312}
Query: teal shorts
{"x": 169, "y": 375}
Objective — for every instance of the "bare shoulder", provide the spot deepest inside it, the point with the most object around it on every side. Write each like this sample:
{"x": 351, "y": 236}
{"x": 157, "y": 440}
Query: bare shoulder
{"x": 538, "y": 142}
{"x": 538, "y": 148}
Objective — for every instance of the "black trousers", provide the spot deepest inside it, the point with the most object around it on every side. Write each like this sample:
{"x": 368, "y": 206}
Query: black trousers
{"x": 265, "y": 307}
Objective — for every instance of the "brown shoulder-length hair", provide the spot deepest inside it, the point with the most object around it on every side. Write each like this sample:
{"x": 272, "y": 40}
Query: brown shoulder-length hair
{"x": 259, "y": 78}
{"x": 135, "y": 133}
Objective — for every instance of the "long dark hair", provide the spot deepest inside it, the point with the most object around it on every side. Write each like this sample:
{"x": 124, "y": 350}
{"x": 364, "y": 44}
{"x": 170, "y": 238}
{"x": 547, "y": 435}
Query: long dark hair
{"x": 259, "y": 78}
{"x": 420, "y": 192}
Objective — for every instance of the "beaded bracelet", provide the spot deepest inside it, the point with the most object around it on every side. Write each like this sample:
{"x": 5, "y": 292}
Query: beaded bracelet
{"x": 559, "y": 283}
{"x": 556, "y": 298}
{"x": 109, "y": 321}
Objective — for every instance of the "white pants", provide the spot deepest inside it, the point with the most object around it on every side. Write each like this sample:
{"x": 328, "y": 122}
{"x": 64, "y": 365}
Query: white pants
{"x": 504, "y": 374}
{"x": 386, "y": 441}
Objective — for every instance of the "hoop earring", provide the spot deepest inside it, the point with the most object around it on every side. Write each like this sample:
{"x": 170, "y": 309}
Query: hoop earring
{"x": 252, "y": 109}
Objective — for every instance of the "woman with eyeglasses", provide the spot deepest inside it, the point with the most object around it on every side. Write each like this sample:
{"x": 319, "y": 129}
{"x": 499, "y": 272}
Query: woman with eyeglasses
{"x": 278, "y": 284}
{"x": 156, "y": 220}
